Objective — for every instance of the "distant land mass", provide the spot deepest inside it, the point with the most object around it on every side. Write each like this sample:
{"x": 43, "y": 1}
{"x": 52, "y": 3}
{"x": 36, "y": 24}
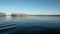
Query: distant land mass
{"x": 23, "y": 14}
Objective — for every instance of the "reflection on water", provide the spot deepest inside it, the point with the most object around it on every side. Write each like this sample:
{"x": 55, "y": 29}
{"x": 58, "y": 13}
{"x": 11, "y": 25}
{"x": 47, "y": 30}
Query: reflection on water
{"x": 30, "y": 25}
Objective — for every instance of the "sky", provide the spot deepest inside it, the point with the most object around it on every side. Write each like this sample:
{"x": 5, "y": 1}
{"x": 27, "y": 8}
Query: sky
{"x": 30, "y": 6}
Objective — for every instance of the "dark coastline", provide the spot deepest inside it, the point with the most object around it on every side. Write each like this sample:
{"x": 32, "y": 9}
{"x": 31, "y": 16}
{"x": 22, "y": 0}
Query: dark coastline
{"x": 23, "y": 14}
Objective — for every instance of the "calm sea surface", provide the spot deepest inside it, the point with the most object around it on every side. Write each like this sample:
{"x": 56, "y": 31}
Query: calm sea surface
{"x": 30, "y": 25}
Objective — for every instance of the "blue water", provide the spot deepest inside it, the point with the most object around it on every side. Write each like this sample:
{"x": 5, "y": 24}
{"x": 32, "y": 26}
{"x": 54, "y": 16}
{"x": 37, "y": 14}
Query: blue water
{"x": 30, "y": 25}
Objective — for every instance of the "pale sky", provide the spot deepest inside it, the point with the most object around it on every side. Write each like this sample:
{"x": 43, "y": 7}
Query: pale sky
{"x": 30, "y": 6}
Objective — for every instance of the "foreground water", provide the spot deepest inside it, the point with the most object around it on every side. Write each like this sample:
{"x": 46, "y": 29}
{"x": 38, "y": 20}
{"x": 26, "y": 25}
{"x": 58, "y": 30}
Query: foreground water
{"x": 30, "y": 25}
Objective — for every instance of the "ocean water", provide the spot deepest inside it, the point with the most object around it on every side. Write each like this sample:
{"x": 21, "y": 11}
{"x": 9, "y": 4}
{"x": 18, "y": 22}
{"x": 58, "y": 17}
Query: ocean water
{"x": 30, "y": 25}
